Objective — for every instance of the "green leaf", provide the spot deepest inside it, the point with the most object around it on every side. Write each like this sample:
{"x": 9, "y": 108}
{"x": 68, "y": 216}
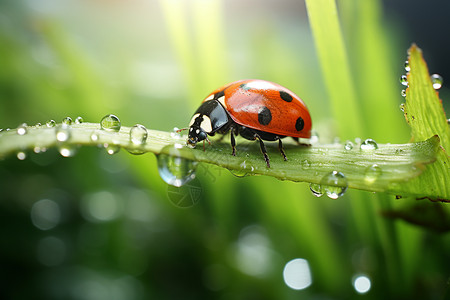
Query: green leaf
{"x": 426, "y": 117}
{"x": 333, "y": 59}
{"x": 371, "y": 170}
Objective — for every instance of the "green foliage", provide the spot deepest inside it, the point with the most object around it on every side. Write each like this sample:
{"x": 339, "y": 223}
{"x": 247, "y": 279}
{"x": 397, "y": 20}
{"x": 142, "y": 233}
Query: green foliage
{"x": 151, "y": 62}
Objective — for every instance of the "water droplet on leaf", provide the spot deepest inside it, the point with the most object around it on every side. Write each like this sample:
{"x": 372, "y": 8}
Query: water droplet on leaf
{"x": 138, "y": 134}
{"x": 407, "y": 66}
{"x": 22, "y": 129}
{"x": 334, "y": 184}
{"x": 176, "y": 133}
{"x": 50, "y": 123}
{"x": 369, "y": 145}
{"x": 21, "y": 155}
{"x": 176, "y": 165}
{"x": 404, "y": 80}
{"x": 437, "y": 81}
{"x": 403, "y": 93}
{"x": 110, "y": 123}
{"x": 112, "y": 149}
{"x": 316, "y": 189}
{"x": 372, "y": 173}
{"x": 402, "y": 107}
{"x": 348, "y": 145}
{"x": 67, "y": 150}
{"x": 95, "y": 137}
{"x": 79, "y": 120}
{"x": 314, "y": 139}
{"x": 67, "y": 121}
{"x": 62, "y": 134}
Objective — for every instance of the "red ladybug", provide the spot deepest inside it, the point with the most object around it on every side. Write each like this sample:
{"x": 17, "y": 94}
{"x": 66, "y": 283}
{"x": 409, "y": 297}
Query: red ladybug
{"x": 255, "y": 109}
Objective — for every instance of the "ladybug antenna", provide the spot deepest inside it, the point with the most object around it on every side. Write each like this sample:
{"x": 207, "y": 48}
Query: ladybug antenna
{"x": 180, "y": 130}
{"x": 209, "y": 142}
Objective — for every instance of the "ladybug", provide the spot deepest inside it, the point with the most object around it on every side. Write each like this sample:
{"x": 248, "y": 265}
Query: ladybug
{"x": 256, "y": 110}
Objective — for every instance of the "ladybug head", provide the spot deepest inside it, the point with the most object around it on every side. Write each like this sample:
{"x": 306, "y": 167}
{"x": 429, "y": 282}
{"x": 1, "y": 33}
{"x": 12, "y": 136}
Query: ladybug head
{"x": 199, "y": 128}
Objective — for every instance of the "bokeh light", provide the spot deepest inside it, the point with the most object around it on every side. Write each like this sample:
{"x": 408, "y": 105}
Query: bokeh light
{"x": 297, "y": 275}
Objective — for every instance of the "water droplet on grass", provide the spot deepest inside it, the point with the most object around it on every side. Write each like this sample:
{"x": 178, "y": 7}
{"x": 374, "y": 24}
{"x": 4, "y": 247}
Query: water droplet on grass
{"x": 316, "y": 189}
{"x": 372, "y": 173}
{"x": 314, "y": 139}
{"x": 67, "y": 150}
{"x": 348, "y": 145}
{"x": 67, "y": 121}
{"x": 437, "y": 81}
{"x": 404, "y": 80}
{"x": 369, "y": 145}
{"x": 176, "y": 133}
{"x": 95, "y": 137}
{"x": 62, "y": 134}
{"x": 407, "y": 66}
{"x": 79, "y": 120}
{"x": 334, "y": 184}
{"x": 50, "y": 123}
{"x": 110, "y": 123}
{"x": 176, "y": 165}
{"x": 138, "y": 134}
{"x": 112, "y": 149}
{"x": 22, "y": 129}
{"x": 402, "y": 107}
{"x": 403, "y": 93}
{"x": 21, "y": 155}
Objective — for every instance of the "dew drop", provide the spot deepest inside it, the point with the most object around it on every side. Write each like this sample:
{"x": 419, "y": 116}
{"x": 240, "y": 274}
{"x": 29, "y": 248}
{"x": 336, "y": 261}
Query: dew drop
{"x": 314, "y": 139}
{"x": 176, "y": 165}
{"x": 50, "y": 123}
{"x": 95, "y": 137}
{"x": 402, "y": 107}
{"x": 403, "y": 93}
{"x": 79, "y": 120}
{"x": 348, "y": 145}
{"x": 21, "y": 155}
{"x": 62, "y": 134}
{"x": 404, "y": 80}
{"x": 112, "y": 149}
{"x": 334, "y": 184}
{"x": 38, "y": 125}
{"x": 110, "y": 123}
{"x": 372, "y": 173}
{"x": 243, "y": 171}
{"x": 306, "y": 164}
{"x": 316, "y": 189}
{"x": 67, "y": 121}
{"x": 176, "y": 133}
{"x": 369, "y": 145}
{"x": 67, "y": 150}
{"x": 239, "y": 173}
{"x": 407, "y": 66}
{"x": 22, "y": 129}
{"x": 437, "y": 81}
{"x": 138, "y": 134}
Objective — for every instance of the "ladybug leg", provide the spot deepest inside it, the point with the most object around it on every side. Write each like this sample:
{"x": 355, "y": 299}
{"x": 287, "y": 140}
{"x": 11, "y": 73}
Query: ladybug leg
{"x": 280, "y": 146}
{"x": 233, "y": 142}
{"x": 263, "y": 149}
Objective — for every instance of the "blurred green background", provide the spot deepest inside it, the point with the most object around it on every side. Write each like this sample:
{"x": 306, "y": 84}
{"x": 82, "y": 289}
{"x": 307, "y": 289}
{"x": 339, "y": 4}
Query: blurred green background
{"x": 96, "y": 226}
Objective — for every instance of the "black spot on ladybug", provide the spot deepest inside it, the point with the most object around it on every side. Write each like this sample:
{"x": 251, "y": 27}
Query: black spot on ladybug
{"x": 285, "y": 96}
{"x": 245, "y": 87}
{"x": 299, "y": 124}
{"x": 264, "y": 116}
{"x": 219, "y": 94}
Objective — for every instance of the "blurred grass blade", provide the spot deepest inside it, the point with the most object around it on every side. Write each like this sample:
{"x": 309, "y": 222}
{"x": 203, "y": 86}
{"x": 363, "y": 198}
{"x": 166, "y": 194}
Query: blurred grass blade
{"x": 333, "y": 59}
{"x": 426, "y": 116}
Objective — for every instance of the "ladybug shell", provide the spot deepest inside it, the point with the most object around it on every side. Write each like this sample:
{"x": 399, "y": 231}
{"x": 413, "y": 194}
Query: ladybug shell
{"x": 265, "y": 106}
